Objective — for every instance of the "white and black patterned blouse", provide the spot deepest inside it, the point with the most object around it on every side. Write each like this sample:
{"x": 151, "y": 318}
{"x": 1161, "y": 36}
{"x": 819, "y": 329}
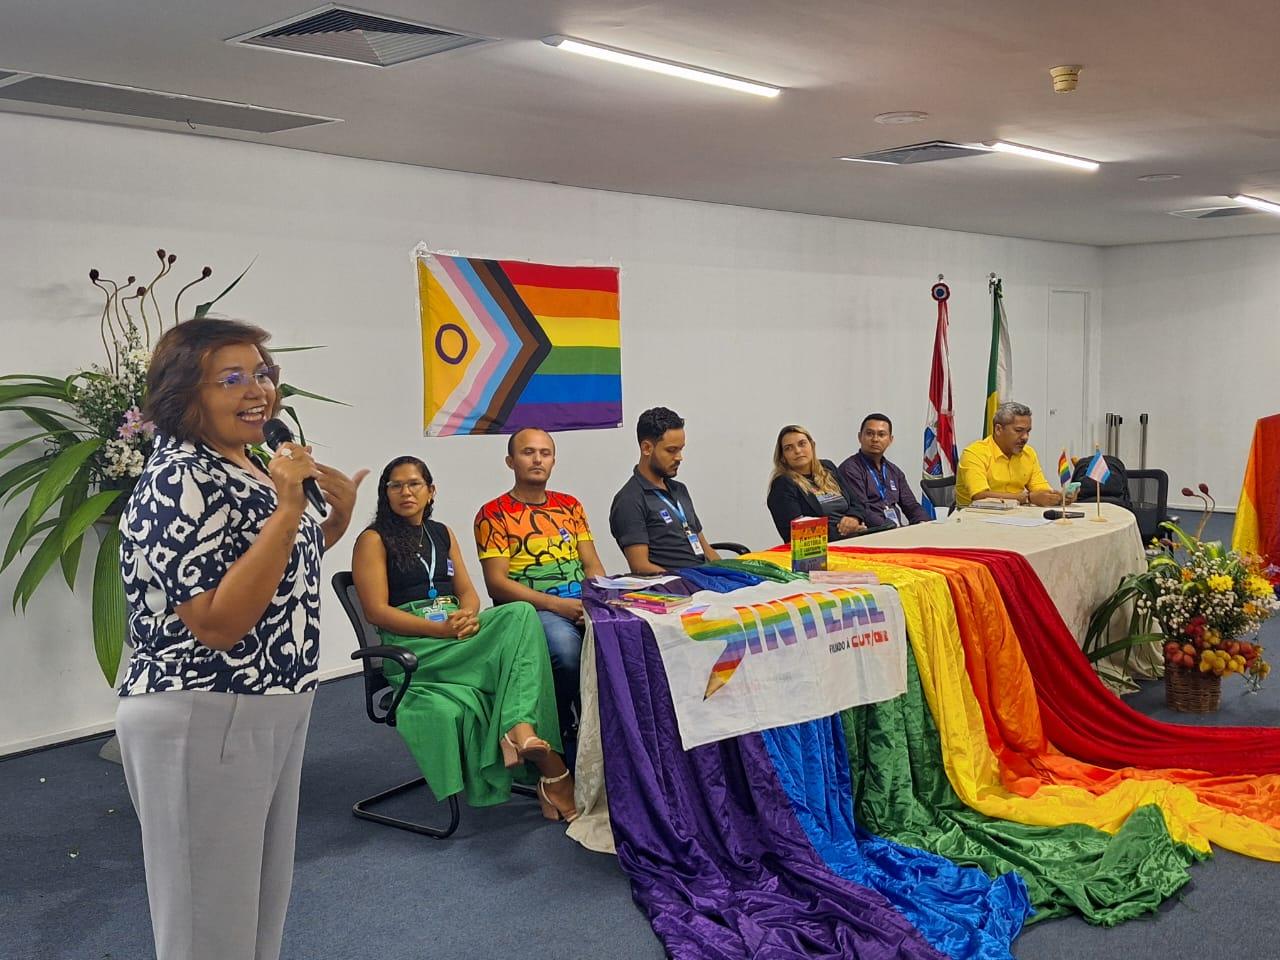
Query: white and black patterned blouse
{"x": 193, "y": 514}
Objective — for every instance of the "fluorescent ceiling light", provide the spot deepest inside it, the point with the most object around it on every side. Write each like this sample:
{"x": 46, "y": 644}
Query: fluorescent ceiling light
{"x": 666, "y": 67}
{"x": 883, "y": 163}
{"x": 1264, "y": 205}
{"x": 1035, "y": 154}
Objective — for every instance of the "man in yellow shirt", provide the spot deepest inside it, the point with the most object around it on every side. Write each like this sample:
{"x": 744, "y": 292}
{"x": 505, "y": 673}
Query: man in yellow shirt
{"x": 1003, "y": 465}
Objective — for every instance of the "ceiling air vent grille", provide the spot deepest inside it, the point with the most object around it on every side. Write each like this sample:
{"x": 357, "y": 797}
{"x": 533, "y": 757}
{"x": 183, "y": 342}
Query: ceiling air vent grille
{"x": 357, "y": 36}
{"x": 151, "y": 104}
{"x": 1202, "y": 213}
{"x": 922, "y": 153}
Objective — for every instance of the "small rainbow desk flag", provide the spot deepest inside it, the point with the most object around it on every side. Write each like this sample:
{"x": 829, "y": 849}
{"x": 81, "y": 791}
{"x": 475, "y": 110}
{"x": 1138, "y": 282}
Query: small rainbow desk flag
{"x": 508, "y": 344}
{"x": 1064, "y": 467}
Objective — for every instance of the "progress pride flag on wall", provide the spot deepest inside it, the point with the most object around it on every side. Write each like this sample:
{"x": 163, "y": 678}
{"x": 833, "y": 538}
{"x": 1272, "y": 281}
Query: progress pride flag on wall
{"x": 779, "y": 653}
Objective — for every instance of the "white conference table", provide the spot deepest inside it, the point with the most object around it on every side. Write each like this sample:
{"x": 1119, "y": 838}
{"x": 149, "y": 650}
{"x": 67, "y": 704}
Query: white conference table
{"x": 1080, "y": 564}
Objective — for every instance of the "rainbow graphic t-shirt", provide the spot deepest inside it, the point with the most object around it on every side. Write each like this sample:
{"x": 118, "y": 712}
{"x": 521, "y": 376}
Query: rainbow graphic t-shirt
{"x": 541, "y": 541}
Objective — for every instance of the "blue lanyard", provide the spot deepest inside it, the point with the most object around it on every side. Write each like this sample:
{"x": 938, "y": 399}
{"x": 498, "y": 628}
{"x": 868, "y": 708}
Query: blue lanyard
{"x": 432, "y": 592}
{"x": 877, "y": 477}
{"x": 675, "y": 505}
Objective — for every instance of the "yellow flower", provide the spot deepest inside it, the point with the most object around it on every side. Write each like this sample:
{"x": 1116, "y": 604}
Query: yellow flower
{"x": 1249, "y": 610}
{"x": 1187, "y": 576}
{"x": 1258, "y": 586}
{"x": 1219, "y": 583}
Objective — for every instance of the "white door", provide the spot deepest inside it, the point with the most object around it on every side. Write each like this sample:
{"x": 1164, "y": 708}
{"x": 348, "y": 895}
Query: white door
{"x": 1065, "y": 381}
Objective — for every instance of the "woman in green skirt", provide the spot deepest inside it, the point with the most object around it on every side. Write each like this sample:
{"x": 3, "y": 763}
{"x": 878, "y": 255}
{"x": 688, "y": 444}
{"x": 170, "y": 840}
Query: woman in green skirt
{"x": 483, "y": 688}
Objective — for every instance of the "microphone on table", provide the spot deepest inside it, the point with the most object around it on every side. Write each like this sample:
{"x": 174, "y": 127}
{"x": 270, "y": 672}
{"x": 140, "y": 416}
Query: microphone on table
{"x": 1063, "y": 514}
{"x": 277, "y": 432}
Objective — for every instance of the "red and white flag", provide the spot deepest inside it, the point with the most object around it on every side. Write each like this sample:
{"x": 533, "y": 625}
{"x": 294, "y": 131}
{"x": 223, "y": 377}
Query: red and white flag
{"x": 940, "y": 456}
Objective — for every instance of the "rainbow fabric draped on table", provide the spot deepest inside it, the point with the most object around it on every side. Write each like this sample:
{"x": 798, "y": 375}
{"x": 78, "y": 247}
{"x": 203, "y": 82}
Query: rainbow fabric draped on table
{"x": 810, "y": 840}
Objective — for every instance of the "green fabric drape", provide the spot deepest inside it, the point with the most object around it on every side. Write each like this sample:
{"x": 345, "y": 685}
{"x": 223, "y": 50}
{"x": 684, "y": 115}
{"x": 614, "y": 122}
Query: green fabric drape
{"x": 901, "y": 792}
{"x": 466, "y": 694}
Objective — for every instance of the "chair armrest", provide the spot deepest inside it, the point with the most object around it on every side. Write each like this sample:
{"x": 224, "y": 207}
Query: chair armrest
{"x": 408, "y": 662}
{"x": 738, "y": 548}
{"x": 407, "y": 659}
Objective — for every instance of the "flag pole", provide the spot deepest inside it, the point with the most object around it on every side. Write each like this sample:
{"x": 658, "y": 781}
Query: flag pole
{"x": 1062, "y": 484}
{"x": 1098, "y": 488}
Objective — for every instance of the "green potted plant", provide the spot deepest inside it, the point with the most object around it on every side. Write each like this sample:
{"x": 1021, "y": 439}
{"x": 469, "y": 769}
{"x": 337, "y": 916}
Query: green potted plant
{"x": 85, "y": 448}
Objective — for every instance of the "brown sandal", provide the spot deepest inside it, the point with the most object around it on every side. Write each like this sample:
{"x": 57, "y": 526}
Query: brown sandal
{"x": 550, "y": 809}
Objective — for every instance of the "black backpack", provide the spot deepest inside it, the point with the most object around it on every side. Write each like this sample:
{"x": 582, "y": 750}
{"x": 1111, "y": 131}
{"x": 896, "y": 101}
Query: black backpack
{"x": 1114, "y": 490}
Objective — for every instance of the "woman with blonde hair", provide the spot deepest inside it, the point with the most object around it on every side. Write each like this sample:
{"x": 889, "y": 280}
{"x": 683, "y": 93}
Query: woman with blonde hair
{"x": 802, "y": 485}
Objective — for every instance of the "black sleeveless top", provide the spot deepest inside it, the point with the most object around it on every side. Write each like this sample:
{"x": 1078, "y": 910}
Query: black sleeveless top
{"x": 413, "y": 582}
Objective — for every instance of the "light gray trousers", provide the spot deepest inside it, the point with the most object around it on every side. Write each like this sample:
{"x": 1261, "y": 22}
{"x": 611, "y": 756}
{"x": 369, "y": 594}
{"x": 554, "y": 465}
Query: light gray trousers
{"x": 214, "y": 779}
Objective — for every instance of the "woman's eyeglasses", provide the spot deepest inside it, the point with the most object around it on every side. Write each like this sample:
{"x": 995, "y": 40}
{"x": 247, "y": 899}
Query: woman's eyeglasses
{"x": 263, "y": 377}
{"x": 413, "y": 486}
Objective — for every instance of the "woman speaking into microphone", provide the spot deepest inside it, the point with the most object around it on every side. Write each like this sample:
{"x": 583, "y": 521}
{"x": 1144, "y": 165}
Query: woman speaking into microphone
{"x": 221, "y": 566}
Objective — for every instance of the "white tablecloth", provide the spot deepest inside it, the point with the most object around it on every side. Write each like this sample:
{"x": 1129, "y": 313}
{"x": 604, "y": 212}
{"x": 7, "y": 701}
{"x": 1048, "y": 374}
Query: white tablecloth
{"x": 1080, "y": 563}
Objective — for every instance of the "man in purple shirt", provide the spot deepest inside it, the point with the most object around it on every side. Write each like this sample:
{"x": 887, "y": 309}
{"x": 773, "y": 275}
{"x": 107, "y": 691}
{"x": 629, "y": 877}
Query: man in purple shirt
{"x": 877, "y": 482}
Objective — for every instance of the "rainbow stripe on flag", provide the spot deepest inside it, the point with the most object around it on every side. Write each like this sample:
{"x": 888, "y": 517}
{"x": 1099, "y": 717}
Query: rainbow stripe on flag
{"x": 508, "y": 344}
{"x": 1064, "y": 467}
{"x": 1257, "y": 526}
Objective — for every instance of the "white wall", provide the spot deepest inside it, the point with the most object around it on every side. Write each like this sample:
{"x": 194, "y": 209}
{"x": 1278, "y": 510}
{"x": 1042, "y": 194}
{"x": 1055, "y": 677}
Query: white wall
{"x": 740, "y": 319}
{"x": 1192, "y": 337}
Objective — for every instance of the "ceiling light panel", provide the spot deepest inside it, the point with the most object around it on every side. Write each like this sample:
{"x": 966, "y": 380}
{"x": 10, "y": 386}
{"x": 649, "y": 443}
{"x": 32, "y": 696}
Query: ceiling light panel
{"x": 668, "y": 68}
{"x": 1257, "y": 203}
{"x": 1049, "y": 156}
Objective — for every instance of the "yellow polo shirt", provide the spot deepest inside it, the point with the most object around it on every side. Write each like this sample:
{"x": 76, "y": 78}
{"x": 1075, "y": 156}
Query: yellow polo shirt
{"x": 984, "y": 467}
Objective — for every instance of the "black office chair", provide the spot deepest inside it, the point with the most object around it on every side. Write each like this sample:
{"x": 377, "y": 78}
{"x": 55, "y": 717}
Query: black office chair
{"x": 738, "y": 548}
{"x": 1149, "y": 501}
{"x": 381, "y": 701}
{"x": 940, "y": 491}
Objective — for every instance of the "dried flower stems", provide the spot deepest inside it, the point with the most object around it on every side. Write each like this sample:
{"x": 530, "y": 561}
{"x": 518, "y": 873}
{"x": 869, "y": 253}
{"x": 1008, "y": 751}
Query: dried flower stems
{"x": 116, "y": 321}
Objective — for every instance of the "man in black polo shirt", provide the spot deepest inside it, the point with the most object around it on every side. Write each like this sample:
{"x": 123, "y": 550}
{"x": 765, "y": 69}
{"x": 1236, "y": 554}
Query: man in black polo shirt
{"x": 652, "y": 516}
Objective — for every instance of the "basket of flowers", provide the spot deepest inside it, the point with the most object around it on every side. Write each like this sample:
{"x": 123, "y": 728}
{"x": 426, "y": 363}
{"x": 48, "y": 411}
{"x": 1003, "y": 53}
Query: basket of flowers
{"x": 1205, "y": 604}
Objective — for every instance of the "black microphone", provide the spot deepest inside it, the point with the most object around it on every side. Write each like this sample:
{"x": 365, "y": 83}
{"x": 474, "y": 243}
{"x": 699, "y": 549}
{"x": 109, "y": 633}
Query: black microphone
{"x": 1061, "y": 514}
{"x": 277, "y": 432}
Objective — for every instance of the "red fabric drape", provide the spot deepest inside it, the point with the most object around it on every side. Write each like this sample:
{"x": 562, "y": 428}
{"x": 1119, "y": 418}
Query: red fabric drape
{"x": 1084, "y": 719}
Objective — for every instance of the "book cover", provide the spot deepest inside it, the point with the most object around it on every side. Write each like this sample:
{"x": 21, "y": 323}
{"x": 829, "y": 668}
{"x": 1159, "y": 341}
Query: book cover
{"x": 808, "y": 544}
{"x": 648, "y": 600}
{"x": 858, "y": 577}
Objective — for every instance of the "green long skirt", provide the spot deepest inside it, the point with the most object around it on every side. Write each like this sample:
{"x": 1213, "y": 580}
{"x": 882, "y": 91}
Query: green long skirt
{"x": 466, "y": 694}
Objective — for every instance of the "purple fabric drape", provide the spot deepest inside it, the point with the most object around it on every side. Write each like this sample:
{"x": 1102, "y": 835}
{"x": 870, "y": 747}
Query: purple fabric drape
{"x": 716, "y": 857}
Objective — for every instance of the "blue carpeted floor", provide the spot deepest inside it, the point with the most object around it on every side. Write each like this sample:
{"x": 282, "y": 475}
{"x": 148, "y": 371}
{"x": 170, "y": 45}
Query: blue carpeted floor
{"x": 508, "y": 884}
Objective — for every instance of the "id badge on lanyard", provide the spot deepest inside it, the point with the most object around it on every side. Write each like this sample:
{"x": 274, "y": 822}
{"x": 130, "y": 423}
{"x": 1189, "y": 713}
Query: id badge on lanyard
{"x": 674, "y": 503}
{"x": 439, "y": 609}
{"x": 892, "y": 512}
{"x": 694, "y": 542}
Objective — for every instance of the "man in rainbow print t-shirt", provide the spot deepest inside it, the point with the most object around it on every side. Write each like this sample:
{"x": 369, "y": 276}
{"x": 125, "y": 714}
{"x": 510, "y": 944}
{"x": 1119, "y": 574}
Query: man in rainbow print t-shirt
{"x": 535, "y": 545}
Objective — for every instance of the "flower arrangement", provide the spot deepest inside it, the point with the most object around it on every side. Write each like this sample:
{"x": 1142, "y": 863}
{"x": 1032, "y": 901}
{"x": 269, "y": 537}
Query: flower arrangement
{"x": 1206, "y": 604}
{"x": 1198, "y": 599}
{"x": 88, "y": 443}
